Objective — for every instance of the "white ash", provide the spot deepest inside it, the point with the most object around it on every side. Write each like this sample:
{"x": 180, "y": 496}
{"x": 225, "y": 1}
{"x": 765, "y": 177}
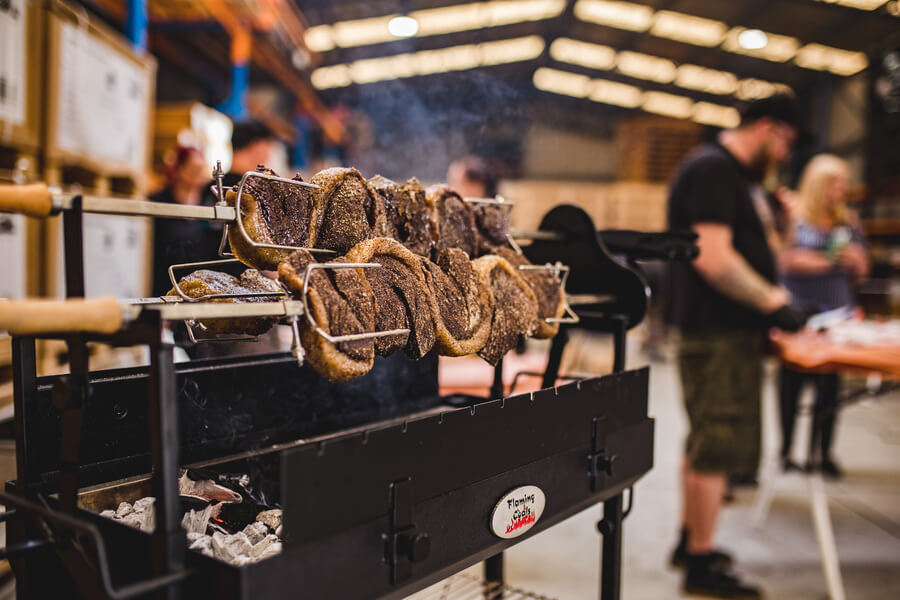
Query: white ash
{"x": 141, "y": 515}
{"x": 253, "y": 544}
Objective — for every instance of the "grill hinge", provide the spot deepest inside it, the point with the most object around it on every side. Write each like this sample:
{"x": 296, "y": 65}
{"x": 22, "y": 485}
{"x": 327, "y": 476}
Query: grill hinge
{"x": 600, "y": 462}
{"x": 404, "y": 544}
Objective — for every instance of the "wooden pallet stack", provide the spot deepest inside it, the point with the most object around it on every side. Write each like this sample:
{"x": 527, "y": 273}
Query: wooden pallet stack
{"x": 651, "y": 147}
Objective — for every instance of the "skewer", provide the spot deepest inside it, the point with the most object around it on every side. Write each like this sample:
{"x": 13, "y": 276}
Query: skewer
{"x": 351, "y": 336}
{"x": 497, "y": 200}
{"x": 556, "y": 269}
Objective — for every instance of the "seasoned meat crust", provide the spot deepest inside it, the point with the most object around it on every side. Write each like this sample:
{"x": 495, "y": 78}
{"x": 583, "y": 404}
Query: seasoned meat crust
{"x": 547, "y": 291}
{"x": 349, "y": 210}
{"x": 460, "y": 301}
{"x": 204, "y": 282}
{"x": 272, "y": 212}
{"x": 515, "y": 306}
{"x": 401, "y": 296}
{"x": 455, "y": 220}
{"x": 342, "y": 303}
{"x": 492, "y": 223}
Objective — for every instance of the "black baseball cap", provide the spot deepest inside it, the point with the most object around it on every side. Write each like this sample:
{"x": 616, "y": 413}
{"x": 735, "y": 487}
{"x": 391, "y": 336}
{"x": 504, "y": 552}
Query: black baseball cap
{"x": 779, "y": 107}
{"x": 247, "y": 132}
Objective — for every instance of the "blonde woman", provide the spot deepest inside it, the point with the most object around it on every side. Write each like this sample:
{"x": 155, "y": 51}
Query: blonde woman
{"x": 826, "y": 258}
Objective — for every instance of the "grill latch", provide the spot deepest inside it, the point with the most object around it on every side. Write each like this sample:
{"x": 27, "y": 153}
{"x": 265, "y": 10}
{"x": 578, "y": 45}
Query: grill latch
{"x": 404, "y": 544}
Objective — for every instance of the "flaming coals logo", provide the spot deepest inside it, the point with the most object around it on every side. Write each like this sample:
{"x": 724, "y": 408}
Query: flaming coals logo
{"x": 517, "y": 511}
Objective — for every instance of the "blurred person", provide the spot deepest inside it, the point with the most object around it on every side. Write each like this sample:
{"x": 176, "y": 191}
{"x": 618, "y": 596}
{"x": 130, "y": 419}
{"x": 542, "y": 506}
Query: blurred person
{"x": 722, "y": 304}
{"x": 251, "y": 145}
{"x": 179, "y": 240}
{"x": 472, "y": 177}
{"x": 826, "y": 259}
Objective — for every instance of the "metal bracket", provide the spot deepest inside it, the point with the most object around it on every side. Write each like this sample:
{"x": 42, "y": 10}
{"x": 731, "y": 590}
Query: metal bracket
{"x": 600, "y": 462}
{"x": 403, "y": 543}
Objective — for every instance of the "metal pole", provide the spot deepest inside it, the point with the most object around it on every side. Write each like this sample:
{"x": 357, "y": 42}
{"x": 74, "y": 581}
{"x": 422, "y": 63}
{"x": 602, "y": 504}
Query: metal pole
{"x": 497, "y": 387}
{"x": 169, "y": 541}
{"x": 611, "y": 559}
{"x": 493, "y": 571}
{"x": 554, "y": 358}
{"x": 620, "y": 331}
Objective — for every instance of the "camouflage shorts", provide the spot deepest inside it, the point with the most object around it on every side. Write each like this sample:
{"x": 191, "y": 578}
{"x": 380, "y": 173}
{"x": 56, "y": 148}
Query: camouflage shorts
{"x": 721, "y": 383}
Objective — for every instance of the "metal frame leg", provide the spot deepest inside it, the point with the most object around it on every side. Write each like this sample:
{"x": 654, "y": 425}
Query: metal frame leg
{"x": 169, "y": 540}
{"x": 818, "y": 502}
{"x": 611, "y": 557}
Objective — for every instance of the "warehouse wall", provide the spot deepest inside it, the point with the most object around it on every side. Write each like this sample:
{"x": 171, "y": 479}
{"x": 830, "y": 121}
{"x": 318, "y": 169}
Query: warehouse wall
{"x": 558, "y": 154}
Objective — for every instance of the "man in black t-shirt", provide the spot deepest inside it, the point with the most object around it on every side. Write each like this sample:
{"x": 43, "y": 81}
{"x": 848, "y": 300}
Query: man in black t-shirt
{"x": 723, "y": 303}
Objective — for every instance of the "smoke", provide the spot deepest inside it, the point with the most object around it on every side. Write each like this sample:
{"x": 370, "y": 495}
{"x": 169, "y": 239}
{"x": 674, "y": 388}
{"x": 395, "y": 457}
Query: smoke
{"x": 422, "y": 124}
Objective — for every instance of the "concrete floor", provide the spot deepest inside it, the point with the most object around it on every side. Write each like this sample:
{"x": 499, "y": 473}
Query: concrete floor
{"x": 782, "y": 557}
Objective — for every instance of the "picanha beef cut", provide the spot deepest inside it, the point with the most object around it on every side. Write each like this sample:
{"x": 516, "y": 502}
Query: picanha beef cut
{"x": 455, "y": 220}
{"x": 342, "y": 303}
{"x": 275, "y": 213}
{"x": 401, "y": 296}
{"x": 349, "y": 210}
{"x": 204, "y": 282}
{"x": 460, "y": 301}
{"x": 547, "y": 290}
{"x": 515, "y": 306}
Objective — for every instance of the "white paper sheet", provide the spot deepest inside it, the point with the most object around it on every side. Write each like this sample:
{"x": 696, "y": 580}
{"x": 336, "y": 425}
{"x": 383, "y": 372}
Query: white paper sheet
{"x": 102, "y": 110}
{"x": 12, "y": 62}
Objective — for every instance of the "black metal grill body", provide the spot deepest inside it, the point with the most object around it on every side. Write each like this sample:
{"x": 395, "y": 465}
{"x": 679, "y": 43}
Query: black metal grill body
{"x": 336, "y": 493}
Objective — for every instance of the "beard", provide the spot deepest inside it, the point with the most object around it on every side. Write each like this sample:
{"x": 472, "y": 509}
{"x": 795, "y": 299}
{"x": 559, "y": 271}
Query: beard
{"x": 758, "y": 166}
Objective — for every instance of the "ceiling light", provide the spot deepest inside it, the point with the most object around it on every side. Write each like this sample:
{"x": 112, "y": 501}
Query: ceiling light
{"x": 426, "y": 62}
{"x": 361, "y": 32}
{"x": 593, "y": 56}
{"x": 318, "y": 39}
{"x": 711, "y": 81}
{"x": 331, "y": 77}
{"x": 621, "y": 15}
{"x": 779, "y": 48}
{"x": 822, "y": 58}
{"x": 688, "y": 28}
{"x": 716, "y": 115}
{"x": 669, "y": 105}
{"x": 644, "y": 66}
{"x": 403, "y": 26}
{"x": 506, "y": 12}
{"x": 860, "y": 4}
{"x": 612, "y": 92}
{"x": 753, "y": 39}
{"x": 562, "y": 82}
{"x": 751, "y": 89}
{"x": 515, "y": 50}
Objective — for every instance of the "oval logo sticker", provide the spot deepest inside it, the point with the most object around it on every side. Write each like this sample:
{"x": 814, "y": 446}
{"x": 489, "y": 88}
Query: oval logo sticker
{"x": 517, "y": 511}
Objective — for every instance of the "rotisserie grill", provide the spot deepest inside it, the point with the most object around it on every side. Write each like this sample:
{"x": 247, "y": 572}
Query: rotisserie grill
{"x": 262, "y": 479}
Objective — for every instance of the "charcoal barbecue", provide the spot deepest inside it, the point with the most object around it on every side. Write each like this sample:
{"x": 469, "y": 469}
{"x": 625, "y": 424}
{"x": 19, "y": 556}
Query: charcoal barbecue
{"x": 384, "y": 489}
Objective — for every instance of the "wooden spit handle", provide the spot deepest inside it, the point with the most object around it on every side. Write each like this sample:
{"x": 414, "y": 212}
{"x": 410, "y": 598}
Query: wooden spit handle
{"x": 76, "y": 315}
{"x": 32, "y": 199}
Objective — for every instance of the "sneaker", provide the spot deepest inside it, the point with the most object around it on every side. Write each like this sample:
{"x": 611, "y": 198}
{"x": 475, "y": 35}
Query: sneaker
{"x": 703, "y": 579}
{"x": 830, "y": 469}
{"x": 680, "y": 556}
{"x": 787, "y": 465}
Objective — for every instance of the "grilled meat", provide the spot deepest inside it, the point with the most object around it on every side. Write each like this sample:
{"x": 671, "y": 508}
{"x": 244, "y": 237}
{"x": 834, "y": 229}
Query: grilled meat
{"x": 460, "y": 302}
{"x": 408, "y": 218}
{"x": 515, "y": 306}
{"x": 492, "y": 223}
{"x": 547, "y": 291}
{"x": 205, "y": 282}
{"x": 455, "y": 220}
{"x": 272, "y": 212}
{"x": 342, "y": 303}
{"x": 401, "y": 296}
{"x": 348, "y": 209}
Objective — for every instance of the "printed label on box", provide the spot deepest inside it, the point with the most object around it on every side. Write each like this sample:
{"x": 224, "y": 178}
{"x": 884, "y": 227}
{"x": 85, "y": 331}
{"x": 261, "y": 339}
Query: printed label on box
{"x": 12, "y": 62}
{"x": 102, "y": 110}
